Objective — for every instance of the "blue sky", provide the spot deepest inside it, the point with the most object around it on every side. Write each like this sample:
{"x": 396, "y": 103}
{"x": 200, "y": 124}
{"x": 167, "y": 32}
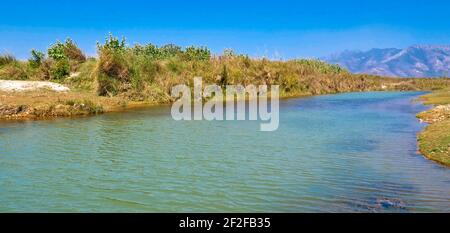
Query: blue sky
{"x": 276, "y": 29}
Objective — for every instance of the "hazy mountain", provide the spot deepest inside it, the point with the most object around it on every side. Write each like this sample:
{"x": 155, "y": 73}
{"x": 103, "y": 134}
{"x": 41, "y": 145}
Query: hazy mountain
{"x": 415, "y": 61}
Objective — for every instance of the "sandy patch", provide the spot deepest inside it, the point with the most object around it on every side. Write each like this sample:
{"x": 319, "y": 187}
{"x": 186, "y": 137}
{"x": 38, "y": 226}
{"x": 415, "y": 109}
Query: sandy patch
{"x": 14, "y": 85}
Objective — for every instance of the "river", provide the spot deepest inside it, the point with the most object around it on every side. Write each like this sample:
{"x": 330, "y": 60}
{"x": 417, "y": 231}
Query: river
{"x": 352, "y": 152}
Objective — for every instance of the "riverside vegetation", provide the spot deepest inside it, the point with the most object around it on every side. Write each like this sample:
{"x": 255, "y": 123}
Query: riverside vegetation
{"x": 434, "y": 141}
{"x": 124, "y": 76}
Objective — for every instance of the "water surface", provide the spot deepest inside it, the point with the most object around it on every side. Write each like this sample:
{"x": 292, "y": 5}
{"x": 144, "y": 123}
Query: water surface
{"x": 337, "y": 153}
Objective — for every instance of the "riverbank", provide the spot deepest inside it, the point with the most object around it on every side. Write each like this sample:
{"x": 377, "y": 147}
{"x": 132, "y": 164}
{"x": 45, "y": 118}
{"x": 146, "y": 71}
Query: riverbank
{"x": 434, "y": 140}
{"x": 43, "y": 103}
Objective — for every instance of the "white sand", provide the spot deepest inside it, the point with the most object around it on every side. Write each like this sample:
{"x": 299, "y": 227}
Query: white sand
{"x": 13, "y": 85}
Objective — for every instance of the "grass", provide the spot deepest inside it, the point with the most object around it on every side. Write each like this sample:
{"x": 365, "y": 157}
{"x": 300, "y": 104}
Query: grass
{"x": 437, "y": 97}
{"x": 14, "y": 71}
{"x": 434, "y": 141}
{"x": 132, "y": 75}
{"x": 7, "y": 59}
{"x": 87, "y": 106}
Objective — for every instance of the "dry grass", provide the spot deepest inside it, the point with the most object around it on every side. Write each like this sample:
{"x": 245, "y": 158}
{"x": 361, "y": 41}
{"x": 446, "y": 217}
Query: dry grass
{"x": 437, "y": 97}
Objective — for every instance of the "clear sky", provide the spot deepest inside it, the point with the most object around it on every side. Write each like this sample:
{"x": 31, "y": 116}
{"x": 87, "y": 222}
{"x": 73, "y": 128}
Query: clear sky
{"x": 275, "y": 29}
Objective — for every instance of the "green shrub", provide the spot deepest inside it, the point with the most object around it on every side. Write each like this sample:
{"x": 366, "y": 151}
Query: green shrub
{"x": 57, "y": 51}
{"x": 170, "y": 50}
{"x": 113, "y": 44}
{"x": 151, "y": 51}
{"x": 60, "y": 69}
{"x": 193, "y": 53}
{"x": 67, "y": 50}
{"x": 37, "y": 57}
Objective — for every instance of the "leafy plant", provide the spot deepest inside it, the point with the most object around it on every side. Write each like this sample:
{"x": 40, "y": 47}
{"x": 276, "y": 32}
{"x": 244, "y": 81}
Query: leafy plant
{"x": 57, "y": 51}
{"x": 170, "y": 50}
{"x": 68, "y": 50}
{"x": 193, "y": 53}
{"x": 152, "y": 52}
{"x": 113, "y": 44}
{"x": 60, "y": 69}
{"x": 37, "y": 57}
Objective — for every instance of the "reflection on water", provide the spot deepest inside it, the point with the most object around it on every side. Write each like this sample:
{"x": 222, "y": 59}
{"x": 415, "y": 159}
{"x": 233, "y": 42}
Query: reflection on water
{"x": 338, "y": 153}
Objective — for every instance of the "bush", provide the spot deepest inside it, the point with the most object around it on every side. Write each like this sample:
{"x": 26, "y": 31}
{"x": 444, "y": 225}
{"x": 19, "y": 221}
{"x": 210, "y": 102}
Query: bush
{"x": 170, "y": 50}
{"x": 72, "y": 51}
{"x": 37, "y": 57}
{"x": 193, "y": 53}
{"x": 113, "y": 44}
{"x": 57, "y": 51}
{"x": 60, "y": 69}
{"x": 154, "y": 52}
{"x": 150, "y": 51}
{"x": 68, "y": 50}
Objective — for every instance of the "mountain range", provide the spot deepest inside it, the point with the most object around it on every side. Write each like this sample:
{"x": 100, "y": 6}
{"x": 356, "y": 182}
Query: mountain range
{"x": 414, "y": 61}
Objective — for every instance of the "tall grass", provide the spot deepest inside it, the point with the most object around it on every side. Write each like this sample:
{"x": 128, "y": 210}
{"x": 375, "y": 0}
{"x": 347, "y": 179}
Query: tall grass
{"x": 11, "y": 68}
{"x": 6, "y": 59}
{"x": 147, "y": 72}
